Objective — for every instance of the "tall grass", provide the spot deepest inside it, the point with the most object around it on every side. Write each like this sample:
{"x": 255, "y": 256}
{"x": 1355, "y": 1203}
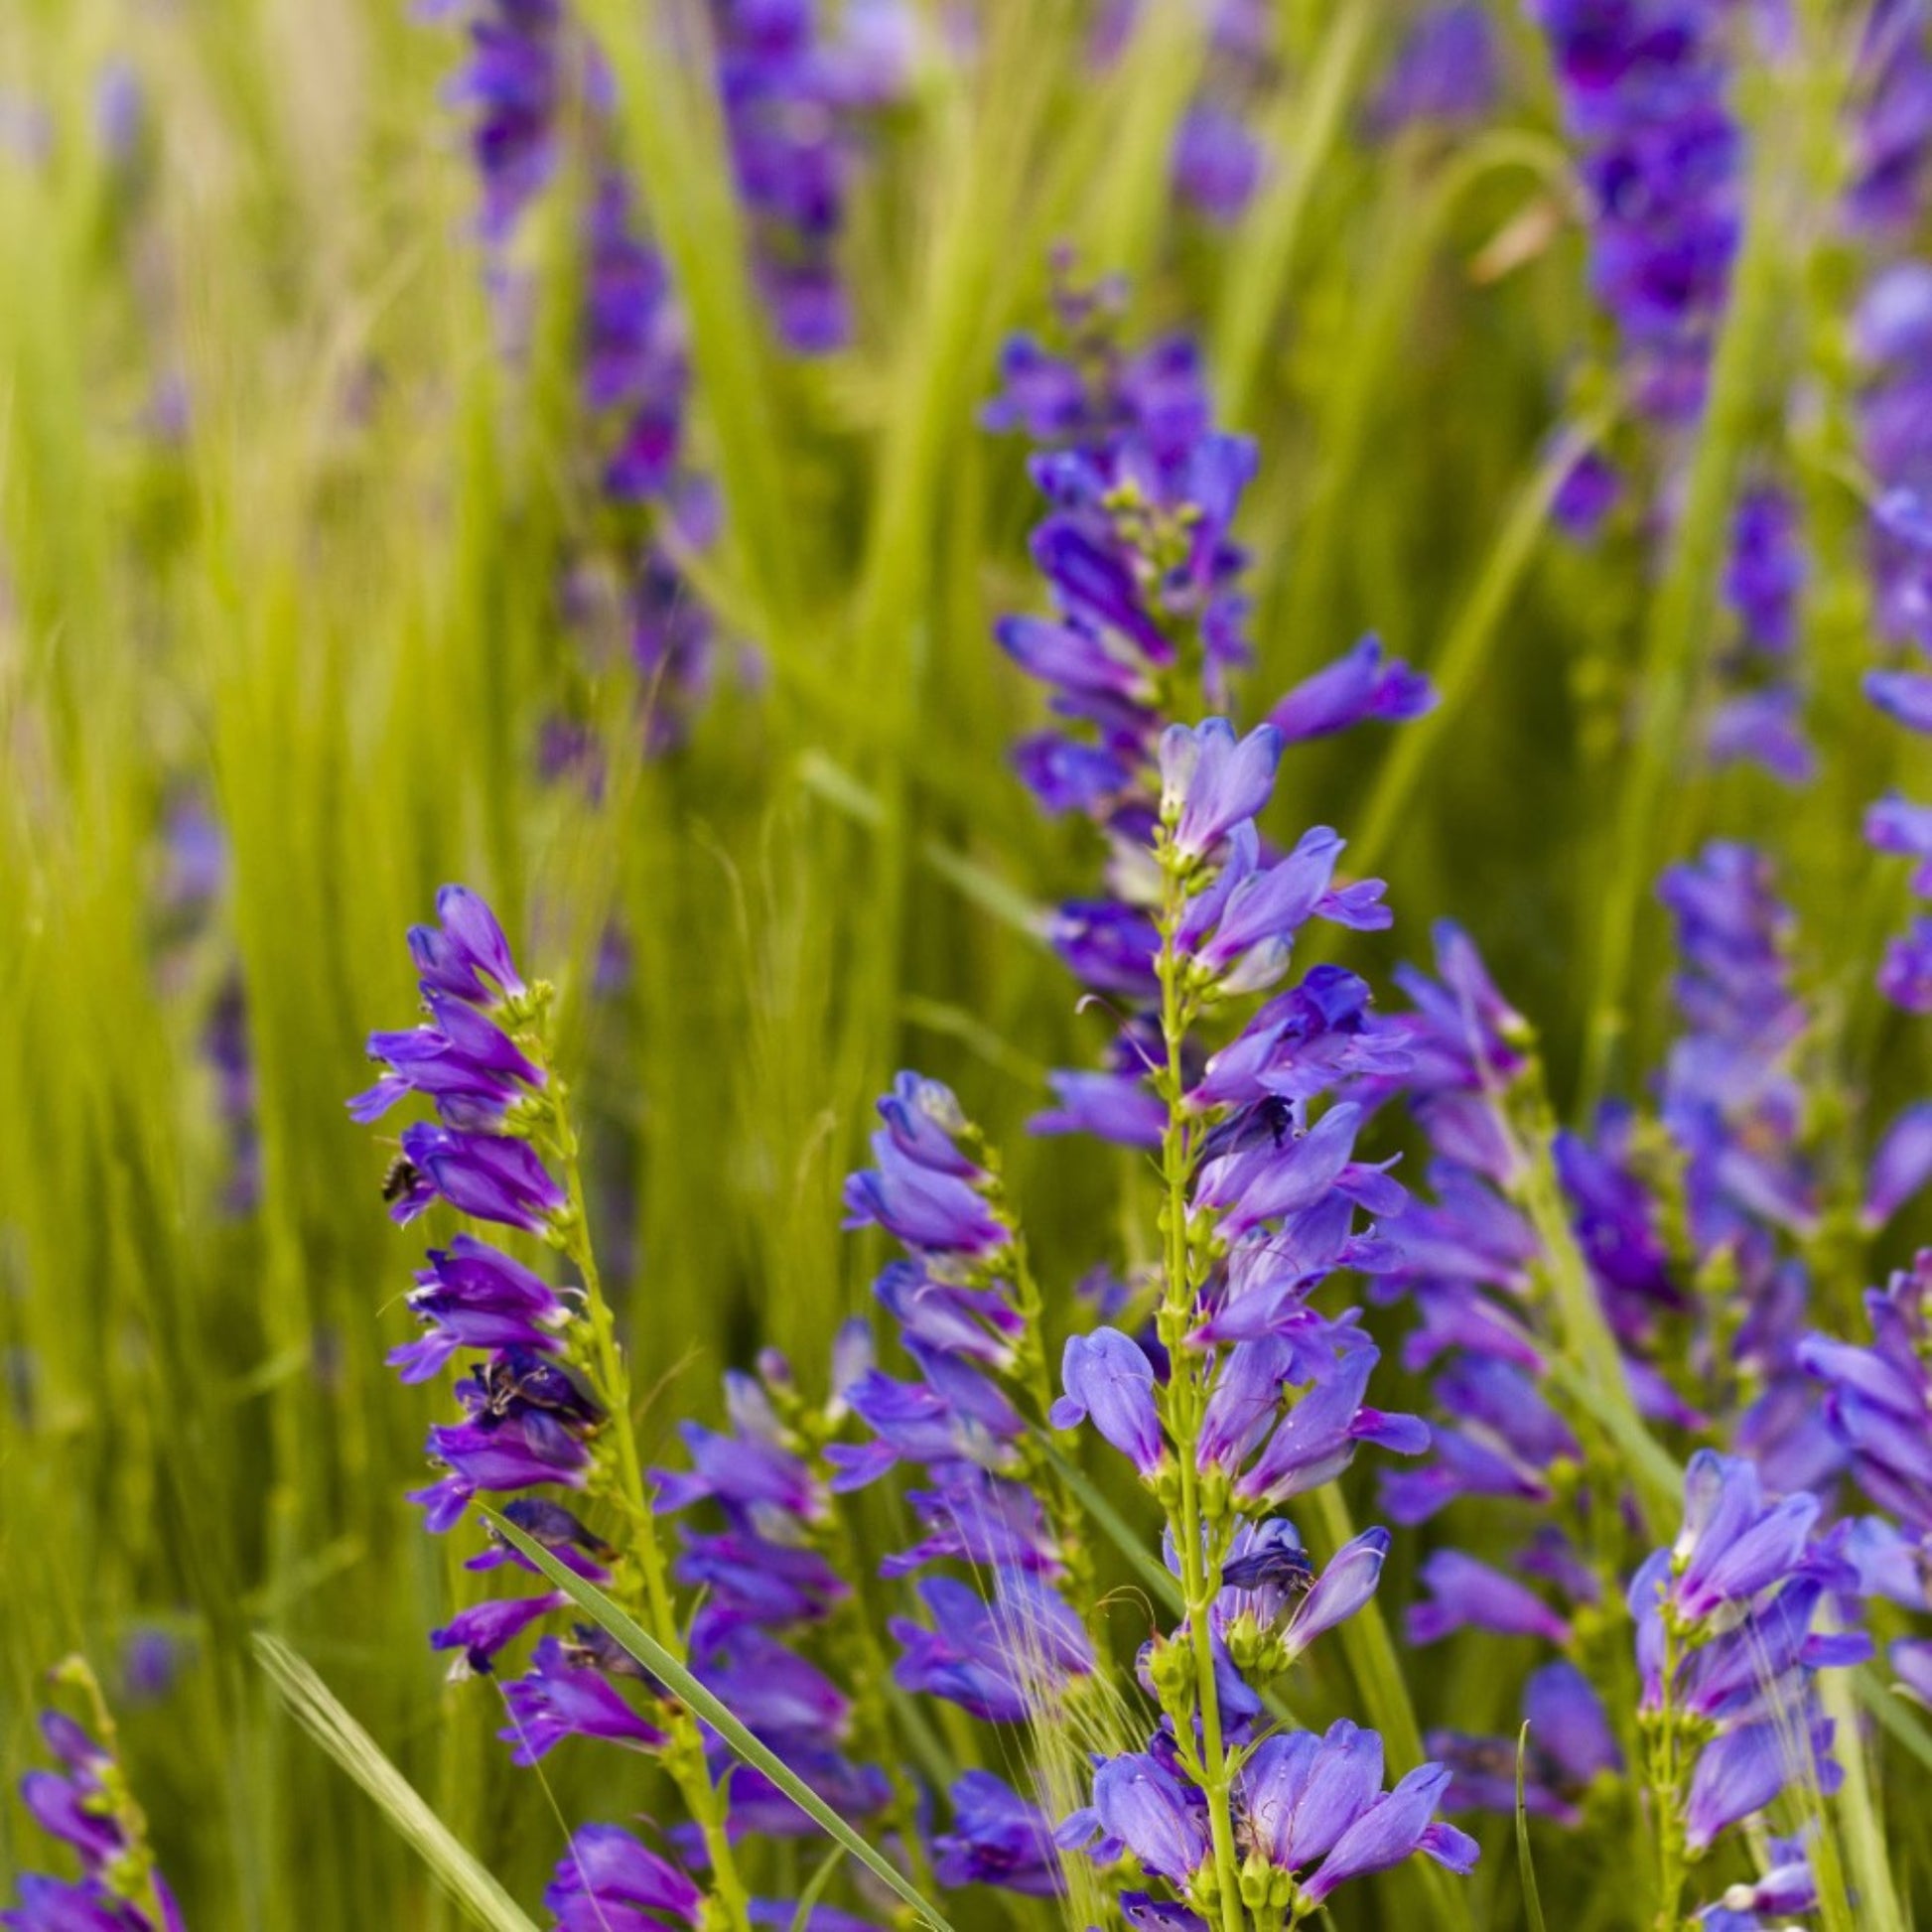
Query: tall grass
{"x": 326, "y": 604}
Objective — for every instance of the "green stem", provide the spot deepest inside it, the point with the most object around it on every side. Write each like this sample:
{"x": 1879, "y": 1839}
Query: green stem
{"x": 685, "y": 1759}
{"x": 1186, "y": 1399}
{"x": 1666, "y": 1780}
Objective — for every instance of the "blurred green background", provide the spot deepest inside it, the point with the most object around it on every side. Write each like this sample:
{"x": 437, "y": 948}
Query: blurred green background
{"x": 280, "y": 533}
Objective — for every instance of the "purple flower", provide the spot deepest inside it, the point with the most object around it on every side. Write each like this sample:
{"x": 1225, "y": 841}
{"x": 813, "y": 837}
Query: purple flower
{"x": 88, "y": 1807}
{"x": 1109, "y": 1380}
{"x": 1734, "y": 1542}
{"x": 1138, "y": 1801}
{"x": 930, "y": 1211}
{"x": 1905, "y": 977}
{"x": 1000, "y": 1660}
{"x": 1469, "y": 1593}
{"x": 1901, "y": 1166}
{"x": 482, "y": 1174}
{"x": 1309, "y": 1801}
{"x": 609, "y": 1883}
{"x": 1903, "y": 695}
{"x": 997, "y": 1839}
{"x": 465, "y": 954}
{"x": 1354, "y": 688}
{"x": 1209, "y": 783}
{"x": 564, "y": 1694}
{"x": 1644, "y": 97}
{"x": 474, "y": 1296}
{"x": 1744, "y": 1771}
{"x": 1446, "y": 72}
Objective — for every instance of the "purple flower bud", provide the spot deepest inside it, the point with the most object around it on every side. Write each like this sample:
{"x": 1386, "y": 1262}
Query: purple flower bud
{"x": 465, "y": 954}
{"x": 1209, "y": 783}
{"x": 1356, "y": 687}
{"x": 1469, "y": 1593}
{"x": 1161, "y": 1820}
{"x": 1109, "y": 1379}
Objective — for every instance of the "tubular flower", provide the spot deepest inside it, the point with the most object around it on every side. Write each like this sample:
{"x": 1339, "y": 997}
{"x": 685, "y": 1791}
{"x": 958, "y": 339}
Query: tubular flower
{"x": 530, "y": 1420}
{"x": 1148, "y": 626}
{"x": 1727, "y": 1650}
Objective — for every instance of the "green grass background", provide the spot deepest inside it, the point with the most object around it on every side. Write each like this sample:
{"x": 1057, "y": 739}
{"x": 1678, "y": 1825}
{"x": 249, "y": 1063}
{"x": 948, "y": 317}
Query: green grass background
{"x": 330, "y": 603}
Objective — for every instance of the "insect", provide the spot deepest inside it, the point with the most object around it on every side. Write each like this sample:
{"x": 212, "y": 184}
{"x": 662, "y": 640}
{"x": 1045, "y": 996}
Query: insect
{"x": 399, "y": 1178}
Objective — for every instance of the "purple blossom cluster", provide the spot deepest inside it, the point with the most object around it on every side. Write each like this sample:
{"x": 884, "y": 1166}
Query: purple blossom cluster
{"x": 1645, "y": 88}
{"x": 89, "y": 1805}
{"x": 1148, "y": 624}
{"x": 1249, "y": 1396}
{"x": 798, "y": 81}
{"x": 529, "y": 69}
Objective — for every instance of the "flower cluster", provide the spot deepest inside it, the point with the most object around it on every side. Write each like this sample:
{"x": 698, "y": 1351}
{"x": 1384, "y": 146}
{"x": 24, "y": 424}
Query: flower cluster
{"x": 767, "y": 1589}
{"x": 528, "y": 67}
{"x": 1644, "y": 87}
{"x": 1878, "y": 1401}
{"x": 88, "y": 1805}
{"x": 1896, "y": 336}
{"x": 1253, "y": 1396}
{"x": 194, "y": 877}
{"x": 530, "y": 1420}
{"x": 1149, "y": 625}
{"x": 963, "y": 1307}
{"x": 1757, "y": 719}
{"x": 795, "y": 89}
{"x": 1731, "y": 1631}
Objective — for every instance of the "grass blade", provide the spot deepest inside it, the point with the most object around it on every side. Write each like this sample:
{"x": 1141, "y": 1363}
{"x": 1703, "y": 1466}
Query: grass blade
{"x": 455, "y": 1868}
{"x": 1531, "y": 1903}
{"x": 679, "y": 1681}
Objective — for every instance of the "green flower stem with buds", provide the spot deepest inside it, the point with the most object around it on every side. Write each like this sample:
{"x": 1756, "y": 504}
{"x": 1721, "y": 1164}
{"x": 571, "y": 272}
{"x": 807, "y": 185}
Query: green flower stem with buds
{"x": 1187, "y": 1401}
{"x": 644, "y": 1552}
{"x": 131, "y": 1872}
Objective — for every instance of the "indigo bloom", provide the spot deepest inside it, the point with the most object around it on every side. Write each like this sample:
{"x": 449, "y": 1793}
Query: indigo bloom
{"x": 564, "y": 1694}
{"x": 793, "y": 97}
{"x": 1312, "y": 1808}
{"x": 1466, "y": 1593}
{"x": 608, "y": 1881}
{"x": 89, "y": 1805}
{"x": 997, "y": 1839}
{"x": 1110, "y": 1380}
{"x": 1645, "y": 98}
{"x": 527, "y": 64}
{"x": 1444, "y": 74}
{"x": 1758, "y": 717}
{"x": 1569, "y": 1745}
{"x": 1005, "y": 1659}
{"x": 1726, "y": 1649}
{"x": 530, "y": 1420}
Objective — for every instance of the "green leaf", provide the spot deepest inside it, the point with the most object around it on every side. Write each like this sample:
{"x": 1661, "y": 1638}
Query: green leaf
{"x": 679, "y": 1681}
{"x": 1532, "y": 1905}
{"x": 316, "y": 1707}
{"x": 815, "y": 1888}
